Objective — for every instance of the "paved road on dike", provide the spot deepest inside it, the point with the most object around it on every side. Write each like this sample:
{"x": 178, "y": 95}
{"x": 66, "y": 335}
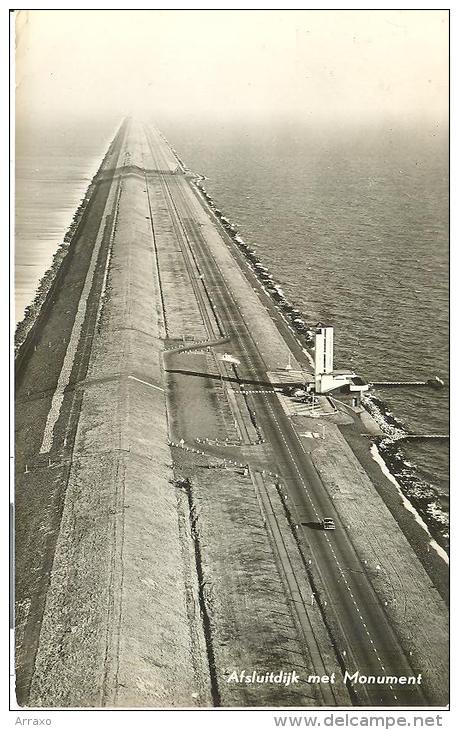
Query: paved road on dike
{"x": 368, "y": 643}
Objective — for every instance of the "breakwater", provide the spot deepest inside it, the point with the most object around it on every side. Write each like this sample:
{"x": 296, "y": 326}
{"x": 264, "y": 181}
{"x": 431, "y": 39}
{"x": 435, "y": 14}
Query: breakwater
{"x": 137, "y": 580}
{"x": 28, "y": 330}
{"x": 96, "y": 514}
{"x": 422, "y": 495}
{"x": 297, "y": 322}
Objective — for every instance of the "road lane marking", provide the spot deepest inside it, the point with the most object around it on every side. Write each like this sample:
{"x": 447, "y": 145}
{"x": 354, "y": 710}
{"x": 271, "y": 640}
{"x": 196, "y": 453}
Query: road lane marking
{"x": 252, "y": 368}
{"x": 315, "y": 510}
{"x": 150, "y": 385}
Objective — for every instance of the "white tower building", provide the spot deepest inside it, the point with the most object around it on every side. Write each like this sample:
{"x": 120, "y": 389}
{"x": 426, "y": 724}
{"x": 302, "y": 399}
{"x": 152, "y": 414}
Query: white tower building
{"x": 328, "y": 379}
{"x": 324, "y": 350}
{"x": 323, "y": 358}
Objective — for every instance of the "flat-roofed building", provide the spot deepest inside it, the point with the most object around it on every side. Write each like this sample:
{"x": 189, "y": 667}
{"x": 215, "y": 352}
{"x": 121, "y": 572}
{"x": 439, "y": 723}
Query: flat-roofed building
{"x": 328, "y": 379}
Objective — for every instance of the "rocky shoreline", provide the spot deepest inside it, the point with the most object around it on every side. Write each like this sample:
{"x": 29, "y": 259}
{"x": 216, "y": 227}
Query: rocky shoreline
{"x": 423, "y": 496}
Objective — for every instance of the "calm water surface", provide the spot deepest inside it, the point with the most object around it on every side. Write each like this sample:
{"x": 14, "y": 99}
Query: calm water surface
{"x": 54, "y": 166}
{"x": 352, "y": 222}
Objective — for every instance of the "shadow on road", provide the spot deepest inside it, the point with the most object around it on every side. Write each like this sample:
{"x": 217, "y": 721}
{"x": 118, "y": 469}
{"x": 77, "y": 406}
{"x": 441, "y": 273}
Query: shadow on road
{"x": 313, "y": 525}
{"x": 240, "y": 381}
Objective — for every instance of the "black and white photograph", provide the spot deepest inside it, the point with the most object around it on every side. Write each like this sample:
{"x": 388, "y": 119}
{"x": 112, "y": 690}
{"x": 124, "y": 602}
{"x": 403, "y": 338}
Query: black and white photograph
{"x": 230, "y": 347}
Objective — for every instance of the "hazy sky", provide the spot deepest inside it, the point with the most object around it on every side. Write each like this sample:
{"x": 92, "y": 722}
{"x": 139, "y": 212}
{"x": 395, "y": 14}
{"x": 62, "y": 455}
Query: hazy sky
{"x": 313, "y": 64}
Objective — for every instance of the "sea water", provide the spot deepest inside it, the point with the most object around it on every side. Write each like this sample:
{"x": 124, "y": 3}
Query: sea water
{"x": 351, "y": 220}
{"x": 54, "y": 166}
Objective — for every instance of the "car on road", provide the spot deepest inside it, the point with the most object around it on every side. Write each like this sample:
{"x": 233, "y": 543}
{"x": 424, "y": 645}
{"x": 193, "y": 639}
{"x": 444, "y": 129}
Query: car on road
{"x": 328, "y": 523}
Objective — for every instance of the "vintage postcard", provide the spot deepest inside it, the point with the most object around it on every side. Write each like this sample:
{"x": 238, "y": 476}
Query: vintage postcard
{"x": 231, "y": 359}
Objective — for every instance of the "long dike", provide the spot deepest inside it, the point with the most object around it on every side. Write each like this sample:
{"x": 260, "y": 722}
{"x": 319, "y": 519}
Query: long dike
{"x": 162, "y": 509}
